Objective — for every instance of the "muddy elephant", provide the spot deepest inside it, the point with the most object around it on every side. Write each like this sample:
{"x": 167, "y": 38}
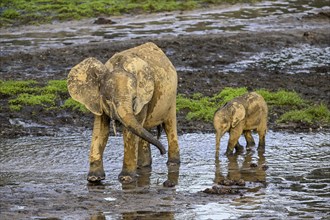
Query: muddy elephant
{"x": 241, "y": 115}
{"x": 137, "y": 88}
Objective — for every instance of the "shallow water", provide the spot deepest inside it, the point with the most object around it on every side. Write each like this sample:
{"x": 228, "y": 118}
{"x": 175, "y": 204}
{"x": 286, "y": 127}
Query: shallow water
{"x": 45, "y": 177}
{"x": 227, "y": 19}
{"x": 290, "y": 60}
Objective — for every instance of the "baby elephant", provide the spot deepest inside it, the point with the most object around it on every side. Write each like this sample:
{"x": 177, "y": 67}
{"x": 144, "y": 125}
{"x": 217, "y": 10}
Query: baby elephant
{"x": 241, "y": 115}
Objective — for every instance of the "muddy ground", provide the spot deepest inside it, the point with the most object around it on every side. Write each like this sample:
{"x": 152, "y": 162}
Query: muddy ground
{"x": 198, "y": 59}
{"x": 60, "y": 190}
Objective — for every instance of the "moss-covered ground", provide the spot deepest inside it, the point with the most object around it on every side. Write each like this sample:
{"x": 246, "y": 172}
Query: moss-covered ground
{"x": 54, "y": 96}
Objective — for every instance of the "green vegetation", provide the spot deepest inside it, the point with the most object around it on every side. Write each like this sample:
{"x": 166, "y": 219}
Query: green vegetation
{"x": 203, "y": 107}
{"x": 30, "y": 93}
{"x": 18, "y": 12}
{"x": 281, "y": 97}
{"x": 318, "y": 113}
{"x": 56, "y": 86}
{"x": 14, "y": 87}
{"x": 44, "y": 100}
{"x": 54, "y": 96}
{"x": 72, "y": 104}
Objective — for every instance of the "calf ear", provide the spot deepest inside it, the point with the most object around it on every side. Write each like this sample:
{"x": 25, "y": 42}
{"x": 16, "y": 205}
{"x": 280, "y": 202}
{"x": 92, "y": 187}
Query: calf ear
{"x": 238, "y": 113}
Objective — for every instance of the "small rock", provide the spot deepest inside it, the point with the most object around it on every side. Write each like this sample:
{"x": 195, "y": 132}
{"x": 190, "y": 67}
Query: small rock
{"x": 104, "y": 21}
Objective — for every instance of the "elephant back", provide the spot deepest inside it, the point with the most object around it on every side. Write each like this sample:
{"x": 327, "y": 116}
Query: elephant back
{"x": 138, "y": 58}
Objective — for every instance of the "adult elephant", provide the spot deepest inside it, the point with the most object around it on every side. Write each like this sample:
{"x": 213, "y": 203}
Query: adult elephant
{"x": 136, "y": 87}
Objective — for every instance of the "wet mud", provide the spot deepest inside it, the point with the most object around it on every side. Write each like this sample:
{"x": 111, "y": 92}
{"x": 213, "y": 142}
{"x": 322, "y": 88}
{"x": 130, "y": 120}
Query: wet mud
{"x": 44, "y": 154}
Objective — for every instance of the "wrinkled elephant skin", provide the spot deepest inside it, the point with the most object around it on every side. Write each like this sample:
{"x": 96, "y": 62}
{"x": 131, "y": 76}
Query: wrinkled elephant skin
{"x": 136, "y": 87}
{"x": 241, "y": 115}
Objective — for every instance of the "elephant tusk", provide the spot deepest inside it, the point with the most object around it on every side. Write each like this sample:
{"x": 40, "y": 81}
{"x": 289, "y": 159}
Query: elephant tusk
{"x": 114, "y": 127}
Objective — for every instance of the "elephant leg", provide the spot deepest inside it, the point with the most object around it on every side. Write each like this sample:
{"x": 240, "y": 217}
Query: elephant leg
{"x": 100, "y": 137}
{"x": 128, "y": 173}
{"x": 144, "y": 154}
{"x": 249, "y": 139}
{"x": 172, "y": 138}
{"x": 234, "y": 135}
{"x": 262, "y": 136}
{"x": 217, "y": 144}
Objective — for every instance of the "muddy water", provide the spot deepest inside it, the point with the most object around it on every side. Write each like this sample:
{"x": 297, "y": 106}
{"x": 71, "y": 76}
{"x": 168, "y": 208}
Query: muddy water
{"x": 44, "y": 177}
{"x": 263, "y": 16}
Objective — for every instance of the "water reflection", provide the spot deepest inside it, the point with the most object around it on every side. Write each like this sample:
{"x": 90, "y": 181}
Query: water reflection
{"x": 295, "y": 185}
{"x": 136, "y": 215}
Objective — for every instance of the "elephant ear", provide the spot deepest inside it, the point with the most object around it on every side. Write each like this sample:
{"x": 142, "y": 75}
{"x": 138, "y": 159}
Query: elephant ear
{"x": 238, "y": 113}
{"x": 144, "y": 82}
{"x": 83, "y": 84}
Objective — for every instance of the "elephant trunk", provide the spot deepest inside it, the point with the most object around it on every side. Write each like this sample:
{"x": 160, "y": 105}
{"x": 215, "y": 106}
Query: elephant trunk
{"x": 131, "y": 123}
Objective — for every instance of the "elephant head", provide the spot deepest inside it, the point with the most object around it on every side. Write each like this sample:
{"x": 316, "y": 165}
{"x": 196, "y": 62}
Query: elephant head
{"x": 115, "y": 92}
{"x": 228, "y": 117}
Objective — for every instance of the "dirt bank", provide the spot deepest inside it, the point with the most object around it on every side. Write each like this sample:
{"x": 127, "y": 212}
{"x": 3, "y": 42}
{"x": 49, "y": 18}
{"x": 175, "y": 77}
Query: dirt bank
{"x": 201, "y": 63}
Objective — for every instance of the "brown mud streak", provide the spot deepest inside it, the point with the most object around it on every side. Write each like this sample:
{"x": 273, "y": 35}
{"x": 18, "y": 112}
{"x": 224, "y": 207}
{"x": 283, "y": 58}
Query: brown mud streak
{"x": 200, "y": 52}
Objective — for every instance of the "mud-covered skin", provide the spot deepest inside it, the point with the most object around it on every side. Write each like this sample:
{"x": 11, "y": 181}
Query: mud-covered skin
{"x": 241, "y": 115}
{"x": 138, "y": 88}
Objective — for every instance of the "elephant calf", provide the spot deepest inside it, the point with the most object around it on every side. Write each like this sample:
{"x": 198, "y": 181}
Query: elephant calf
{"x": 241, "y": 115}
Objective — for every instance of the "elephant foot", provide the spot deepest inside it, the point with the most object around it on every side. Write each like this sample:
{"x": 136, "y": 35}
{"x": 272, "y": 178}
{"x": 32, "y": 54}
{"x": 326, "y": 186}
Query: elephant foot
{"x": 169, "y": 183}
{"x": 127, "y": 178}
{"x": 96, "y": 172}
{"x": 94, "y": 177}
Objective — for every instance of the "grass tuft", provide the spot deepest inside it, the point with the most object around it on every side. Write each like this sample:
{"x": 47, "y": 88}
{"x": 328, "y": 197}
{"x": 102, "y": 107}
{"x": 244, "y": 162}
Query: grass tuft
{"x": 11, "y": 87}
{"x": 56, "y": 86}
{"x": 203, "y": 107}
{"x": 281, "y": 97}
{"x": 74, "y": 105}
{"x": 318, "y": 113}
{"x": 31, "y": 99}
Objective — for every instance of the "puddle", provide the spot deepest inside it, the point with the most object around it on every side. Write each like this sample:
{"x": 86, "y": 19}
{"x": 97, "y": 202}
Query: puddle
{"x": 291, "y": 60}
{"x": 45, "y": 177}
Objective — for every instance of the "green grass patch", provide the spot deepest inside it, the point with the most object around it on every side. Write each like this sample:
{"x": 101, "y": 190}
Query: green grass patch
{"x": 12, "y": 87}
{"x": 203, "y": 107}
{"x": 318, "y": 113}
{"x": 44, "y": 100}
{"x": 31, "y": 93}
{"x": 74, "y": 105}
{"x": 18, "y": 12}
{"x": 281, "y": 97}
{"x": 56, "y": 86}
